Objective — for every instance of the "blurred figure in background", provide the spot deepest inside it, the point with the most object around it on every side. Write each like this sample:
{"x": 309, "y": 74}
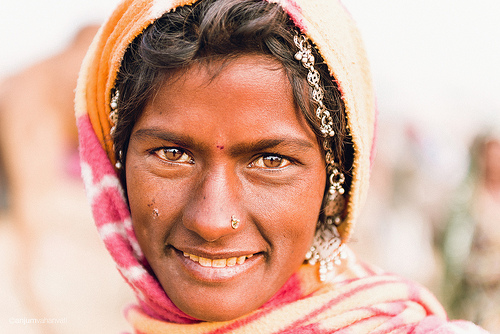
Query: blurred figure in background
{"x": 58, "y": 268}
{"x": 471, "y": 241}
{"x": 400, "y": 212}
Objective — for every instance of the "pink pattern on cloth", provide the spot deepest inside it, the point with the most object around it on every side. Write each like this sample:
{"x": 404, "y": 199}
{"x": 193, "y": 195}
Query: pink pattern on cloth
{"x": 295, "y": 12}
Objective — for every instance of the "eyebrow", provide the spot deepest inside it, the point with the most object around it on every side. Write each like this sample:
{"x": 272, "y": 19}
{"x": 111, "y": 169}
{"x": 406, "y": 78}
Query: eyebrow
{"x": 266, "y": 144}
{"x": 158, "y": 134}
{"x": 234, "y": 150}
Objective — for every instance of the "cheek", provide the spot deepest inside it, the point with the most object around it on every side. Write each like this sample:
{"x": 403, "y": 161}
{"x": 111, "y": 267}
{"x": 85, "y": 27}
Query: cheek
{"x": 288, "y": 215}
{"x": 303, "y": 212}
{"x": 154, "y": 208}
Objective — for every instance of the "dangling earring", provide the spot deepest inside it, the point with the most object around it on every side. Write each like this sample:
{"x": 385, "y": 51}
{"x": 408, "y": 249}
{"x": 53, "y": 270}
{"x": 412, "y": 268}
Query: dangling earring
{"x": 118, "y": 163}
{"x": 327, "y": 247}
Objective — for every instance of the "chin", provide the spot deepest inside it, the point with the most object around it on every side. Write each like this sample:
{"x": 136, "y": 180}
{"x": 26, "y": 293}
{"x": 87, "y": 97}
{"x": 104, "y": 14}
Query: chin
{"x": 219, "y": 312}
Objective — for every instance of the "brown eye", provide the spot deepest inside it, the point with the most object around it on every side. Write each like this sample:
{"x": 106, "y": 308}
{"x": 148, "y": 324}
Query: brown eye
{"x": 173, "y": 154}
{"x": 270, "y": 161}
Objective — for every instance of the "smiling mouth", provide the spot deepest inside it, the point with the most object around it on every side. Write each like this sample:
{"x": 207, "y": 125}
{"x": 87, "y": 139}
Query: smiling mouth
{"x": 217, "y": 263}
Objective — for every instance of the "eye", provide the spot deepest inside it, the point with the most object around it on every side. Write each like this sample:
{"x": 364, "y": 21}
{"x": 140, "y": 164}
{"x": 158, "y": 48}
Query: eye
{"x": 270, "y": 161}
{"x": 173, "y": 155}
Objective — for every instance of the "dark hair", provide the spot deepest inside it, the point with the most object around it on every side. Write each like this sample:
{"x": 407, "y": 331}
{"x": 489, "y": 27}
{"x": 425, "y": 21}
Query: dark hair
{"x": 220, "y": 30}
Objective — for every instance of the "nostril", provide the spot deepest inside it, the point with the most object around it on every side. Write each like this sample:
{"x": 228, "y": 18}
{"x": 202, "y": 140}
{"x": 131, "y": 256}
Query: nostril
{"x": 212, "y": 226}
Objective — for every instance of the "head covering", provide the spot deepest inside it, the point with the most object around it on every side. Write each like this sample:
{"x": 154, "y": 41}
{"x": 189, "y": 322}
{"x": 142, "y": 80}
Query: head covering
{"x": 330, "y": 27}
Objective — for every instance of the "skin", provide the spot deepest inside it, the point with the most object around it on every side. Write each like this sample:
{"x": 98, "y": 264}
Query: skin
{"x": 207, "y": 148}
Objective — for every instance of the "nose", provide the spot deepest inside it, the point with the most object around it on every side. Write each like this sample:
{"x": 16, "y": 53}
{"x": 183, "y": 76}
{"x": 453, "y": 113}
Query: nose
{"x": 214, "y": 210}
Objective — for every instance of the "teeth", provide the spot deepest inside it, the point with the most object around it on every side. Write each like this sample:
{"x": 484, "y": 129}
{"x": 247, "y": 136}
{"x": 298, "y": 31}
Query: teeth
{"x": 205, "y": 262}
{"x": 217, "y": 263}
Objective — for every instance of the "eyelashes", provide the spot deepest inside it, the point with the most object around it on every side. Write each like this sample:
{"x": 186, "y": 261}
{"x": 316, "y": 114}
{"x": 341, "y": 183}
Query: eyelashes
{"x": 270, "y": 161}
{"x": 174, "y": 155}
{"x": 181, "y": 156}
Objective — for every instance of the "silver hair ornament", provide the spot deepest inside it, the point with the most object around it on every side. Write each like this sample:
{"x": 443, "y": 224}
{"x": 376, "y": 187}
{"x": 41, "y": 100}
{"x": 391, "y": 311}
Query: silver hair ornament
{"x": 113, "y": 115}
{"x": 327, "y": 247}
{"x": 113, "y": 118}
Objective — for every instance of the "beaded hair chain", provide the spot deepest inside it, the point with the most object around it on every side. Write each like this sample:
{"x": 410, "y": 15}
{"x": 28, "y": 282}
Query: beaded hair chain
{"x": 327, "y": 248}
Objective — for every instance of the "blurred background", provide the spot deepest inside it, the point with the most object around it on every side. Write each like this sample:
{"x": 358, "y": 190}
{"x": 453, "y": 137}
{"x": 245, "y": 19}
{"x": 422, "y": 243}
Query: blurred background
{"x": 434, "y": 205}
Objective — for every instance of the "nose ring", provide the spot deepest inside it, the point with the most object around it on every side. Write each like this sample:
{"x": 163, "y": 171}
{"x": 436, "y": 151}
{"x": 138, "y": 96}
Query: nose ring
{"x": 234, "y": 222}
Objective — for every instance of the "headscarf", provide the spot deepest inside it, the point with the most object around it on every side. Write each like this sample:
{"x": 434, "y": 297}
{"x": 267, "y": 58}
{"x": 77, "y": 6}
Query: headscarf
{"x": 304, "y": 302}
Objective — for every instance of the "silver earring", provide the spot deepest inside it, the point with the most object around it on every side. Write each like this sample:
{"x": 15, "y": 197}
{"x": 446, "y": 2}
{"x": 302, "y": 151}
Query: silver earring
{"x": 118, "y": 163}
{"x": 327, "y": 247}
{"x": 235, "y": 222}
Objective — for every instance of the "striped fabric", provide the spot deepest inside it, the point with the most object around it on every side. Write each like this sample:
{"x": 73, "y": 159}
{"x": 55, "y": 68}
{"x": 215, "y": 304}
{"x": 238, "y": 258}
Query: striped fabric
{"x": 359, "y": 300}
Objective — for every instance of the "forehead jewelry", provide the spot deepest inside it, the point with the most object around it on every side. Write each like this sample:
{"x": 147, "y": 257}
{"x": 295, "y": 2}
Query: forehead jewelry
{"x": 234, "y": 222}
{"x": 327, "y": 248}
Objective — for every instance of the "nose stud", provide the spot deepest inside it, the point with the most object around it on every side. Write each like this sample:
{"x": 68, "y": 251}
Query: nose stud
{"x": 234, "y": 222}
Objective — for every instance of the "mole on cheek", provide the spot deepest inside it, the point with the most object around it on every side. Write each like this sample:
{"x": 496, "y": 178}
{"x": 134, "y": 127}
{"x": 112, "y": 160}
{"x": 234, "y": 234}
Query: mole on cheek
{"x": 220, "y": 147}
{"x": 150, "y": 205}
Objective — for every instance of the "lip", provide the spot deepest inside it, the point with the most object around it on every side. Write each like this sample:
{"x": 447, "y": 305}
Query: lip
{"x": 216, "y": 274}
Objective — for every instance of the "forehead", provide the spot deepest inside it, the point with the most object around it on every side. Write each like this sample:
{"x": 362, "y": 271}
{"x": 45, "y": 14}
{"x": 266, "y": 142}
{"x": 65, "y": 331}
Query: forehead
{"x": 211, "y": 67}
{"x": 258, "y": 71}
{"x": 248, "y": 97}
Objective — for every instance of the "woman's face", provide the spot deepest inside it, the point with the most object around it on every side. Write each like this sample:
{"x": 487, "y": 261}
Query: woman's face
{"x": 207, "y": 149}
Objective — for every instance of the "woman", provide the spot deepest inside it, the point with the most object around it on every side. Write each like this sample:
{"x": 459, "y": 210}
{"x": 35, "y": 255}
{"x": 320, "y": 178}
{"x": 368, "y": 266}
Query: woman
{"x": 222, "y": 148}
{"x": 471, "y": 240}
